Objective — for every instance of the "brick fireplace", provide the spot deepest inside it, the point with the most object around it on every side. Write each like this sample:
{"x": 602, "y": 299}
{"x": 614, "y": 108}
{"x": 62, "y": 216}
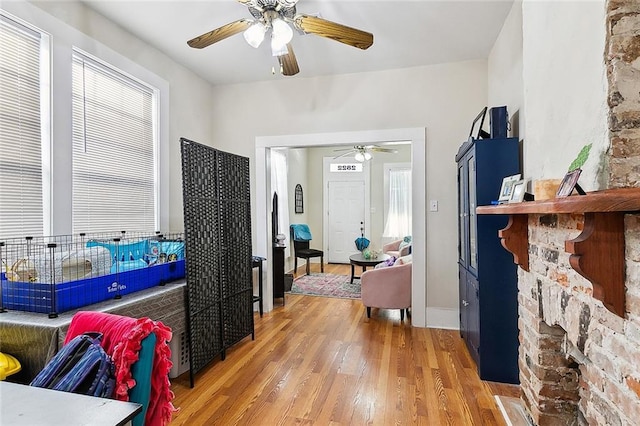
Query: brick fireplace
{"x": 579, "y": 362}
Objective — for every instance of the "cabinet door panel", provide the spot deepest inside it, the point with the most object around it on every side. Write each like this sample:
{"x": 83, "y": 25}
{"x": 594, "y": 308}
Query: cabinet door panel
{"x": 462, "y": 280}
{"x": 473, "y": 315}
{"x": 472, "y": 196}
{"x": 463, "y": 220}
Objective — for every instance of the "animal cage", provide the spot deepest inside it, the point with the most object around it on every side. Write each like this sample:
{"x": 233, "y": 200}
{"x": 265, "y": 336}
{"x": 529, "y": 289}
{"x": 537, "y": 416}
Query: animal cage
{"x": 59, "y": 273}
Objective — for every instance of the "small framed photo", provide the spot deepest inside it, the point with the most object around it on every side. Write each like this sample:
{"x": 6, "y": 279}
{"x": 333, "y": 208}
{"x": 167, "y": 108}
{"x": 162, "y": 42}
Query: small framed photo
{"x": 518, "y": 191}
{"x": 507, "y": 188}
{"x": 569, "y": 183}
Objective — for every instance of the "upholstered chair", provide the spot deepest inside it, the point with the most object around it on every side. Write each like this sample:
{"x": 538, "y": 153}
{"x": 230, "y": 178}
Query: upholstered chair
{"x": 397, "y": 248}
{"x": 387, "y": 288}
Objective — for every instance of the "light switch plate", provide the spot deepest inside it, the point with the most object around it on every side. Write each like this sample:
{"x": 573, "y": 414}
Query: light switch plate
{"x": 433, "y": 205}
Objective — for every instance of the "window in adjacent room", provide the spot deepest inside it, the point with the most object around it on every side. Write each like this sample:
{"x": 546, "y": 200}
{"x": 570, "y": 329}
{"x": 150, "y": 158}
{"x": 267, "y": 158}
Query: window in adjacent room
{"x": 24, "y": 111}
{"x": 114, "y": 149}
{"x": 397, "y": 201}
{"x": 279, "y": 185}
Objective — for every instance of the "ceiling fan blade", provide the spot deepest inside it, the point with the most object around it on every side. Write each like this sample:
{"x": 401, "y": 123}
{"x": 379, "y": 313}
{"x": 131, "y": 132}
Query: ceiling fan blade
{"x": 221, "y": 33}
{"x": 344, "y": 154}
{"x": 288, "y": 62}
{"x": 392, "y": 151}
{"x": 338, "y": 32}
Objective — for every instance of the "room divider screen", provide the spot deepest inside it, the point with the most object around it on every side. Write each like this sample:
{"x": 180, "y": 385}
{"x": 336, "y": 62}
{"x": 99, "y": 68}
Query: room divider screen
{"x": 217, "y": 225}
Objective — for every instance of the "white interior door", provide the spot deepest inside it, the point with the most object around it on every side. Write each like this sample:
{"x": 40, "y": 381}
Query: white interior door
{"x": 346, "y": 201}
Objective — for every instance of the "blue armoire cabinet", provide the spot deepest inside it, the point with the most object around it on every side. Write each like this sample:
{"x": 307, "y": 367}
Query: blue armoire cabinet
{"x": 487, "y": 274}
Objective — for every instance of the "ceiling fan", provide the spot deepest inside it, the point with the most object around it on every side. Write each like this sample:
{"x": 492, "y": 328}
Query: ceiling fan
{"x": 278, "y": 16}
{"x": 363, "y": 152}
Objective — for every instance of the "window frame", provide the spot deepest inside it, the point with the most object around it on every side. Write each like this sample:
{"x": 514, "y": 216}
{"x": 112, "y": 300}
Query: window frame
{"x": 45, "y": 107}
{"x": 57, "y": 159}
{"x": 131, "y": 80}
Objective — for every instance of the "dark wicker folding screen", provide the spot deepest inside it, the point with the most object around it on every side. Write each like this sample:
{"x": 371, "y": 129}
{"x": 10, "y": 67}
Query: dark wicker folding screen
{"x": 217, "y": 225}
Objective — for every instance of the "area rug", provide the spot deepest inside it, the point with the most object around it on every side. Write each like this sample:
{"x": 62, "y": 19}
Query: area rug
{"x": 328, "y": 285}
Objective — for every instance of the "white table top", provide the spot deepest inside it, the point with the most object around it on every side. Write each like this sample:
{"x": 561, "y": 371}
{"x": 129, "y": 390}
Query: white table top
{"x": 33, "y": 406}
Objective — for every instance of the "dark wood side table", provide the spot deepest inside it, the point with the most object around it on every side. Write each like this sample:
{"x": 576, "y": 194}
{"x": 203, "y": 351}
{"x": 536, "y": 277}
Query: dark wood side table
{"x": 278, "y": 272}
{"x": 256, "y": 262}
{"x": 359, "y": 259}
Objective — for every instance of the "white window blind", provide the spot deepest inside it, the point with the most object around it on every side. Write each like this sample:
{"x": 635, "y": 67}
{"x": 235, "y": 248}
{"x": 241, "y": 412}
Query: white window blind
{"x": 114, "y": 144}
{"x": 21, "y": 211}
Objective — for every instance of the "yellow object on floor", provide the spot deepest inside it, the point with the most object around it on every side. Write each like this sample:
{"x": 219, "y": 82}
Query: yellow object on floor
{"x": 8, "y": 365}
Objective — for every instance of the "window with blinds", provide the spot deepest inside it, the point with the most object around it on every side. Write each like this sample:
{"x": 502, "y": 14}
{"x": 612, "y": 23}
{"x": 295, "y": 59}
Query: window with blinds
{"x": 21, "y": 200}
{"x": 114, "y": 150}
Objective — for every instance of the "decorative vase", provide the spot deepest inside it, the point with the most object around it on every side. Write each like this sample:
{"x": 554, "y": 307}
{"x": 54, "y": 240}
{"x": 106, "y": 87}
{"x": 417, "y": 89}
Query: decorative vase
{"x": 366, "y": 253}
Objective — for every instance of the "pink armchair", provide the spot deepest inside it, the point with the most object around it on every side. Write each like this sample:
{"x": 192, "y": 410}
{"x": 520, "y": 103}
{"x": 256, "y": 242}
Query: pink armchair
{"x": 387, "y": 288}
{"x": 393, "y": 249}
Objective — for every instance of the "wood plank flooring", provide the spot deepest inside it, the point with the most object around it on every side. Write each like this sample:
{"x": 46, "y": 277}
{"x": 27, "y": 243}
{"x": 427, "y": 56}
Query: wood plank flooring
{"x": 320, "y": 361}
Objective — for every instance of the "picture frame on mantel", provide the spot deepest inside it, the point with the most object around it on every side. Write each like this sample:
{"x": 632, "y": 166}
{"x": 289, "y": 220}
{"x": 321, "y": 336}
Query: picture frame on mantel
{"x": 569, "y": 183}
{"x": 518, "y": 191}
{"x": 507, "y": 188}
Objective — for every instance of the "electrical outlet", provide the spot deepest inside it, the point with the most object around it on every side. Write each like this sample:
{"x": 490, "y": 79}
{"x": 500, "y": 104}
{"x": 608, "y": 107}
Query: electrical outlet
{"x": 433, "y": 205}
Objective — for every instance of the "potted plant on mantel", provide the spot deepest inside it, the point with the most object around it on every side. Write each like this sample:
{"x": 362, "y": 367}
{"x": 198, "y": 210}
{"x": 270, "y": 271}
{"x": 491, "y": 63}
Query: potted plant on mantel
{"x": 545, "y": 189}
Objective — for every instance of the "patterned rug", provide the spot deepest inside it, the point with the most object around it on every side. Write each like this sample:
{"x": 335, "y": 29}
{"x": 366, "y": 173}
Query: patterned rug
{"x": 328, "y": 285}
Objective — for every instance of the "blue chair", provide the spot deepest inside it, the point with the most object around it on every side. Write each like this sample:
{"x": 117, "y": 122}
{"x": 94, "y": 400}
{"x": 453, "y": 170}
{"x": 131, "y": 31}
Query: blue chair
{"x": 141, "y": 373}
{"x": 300, "y": 235}
{"x": 141, "y": 370}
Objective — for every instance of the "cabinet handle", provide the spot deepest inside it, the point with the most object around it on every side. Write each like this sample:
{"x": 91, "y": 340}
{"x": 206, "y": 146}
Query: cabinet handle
{"x": 465, "y": 303}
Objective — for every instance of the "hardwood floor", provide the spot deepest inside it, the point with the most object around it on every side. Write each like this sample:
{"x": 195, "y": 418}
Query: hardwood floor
{"x": 320, "y": 361}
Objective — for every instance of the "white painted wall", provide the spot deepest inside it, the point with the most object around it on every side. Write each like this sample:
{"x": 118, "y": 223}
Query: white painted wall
{"x": 505, "y": 71}
{"x": 565, "y": 88}
{"x": 443, "y": 98}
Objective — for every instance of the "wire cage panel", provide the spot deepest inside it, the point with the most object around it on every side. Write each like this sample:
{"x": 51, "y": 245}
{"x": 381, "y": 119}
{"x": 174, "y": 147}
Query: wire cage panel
{"x": 58, "y": 273}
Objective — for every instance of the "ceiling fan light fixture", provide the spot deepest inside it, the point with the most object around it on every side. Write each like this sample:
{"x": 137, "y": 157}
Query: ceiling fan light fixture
{"x": 359, "y": 157}
{"x": 254, "y": 35}
{"x": 281, "y": 31}
{"x": 367, "y": 156}
{"x": 278, "y": 49}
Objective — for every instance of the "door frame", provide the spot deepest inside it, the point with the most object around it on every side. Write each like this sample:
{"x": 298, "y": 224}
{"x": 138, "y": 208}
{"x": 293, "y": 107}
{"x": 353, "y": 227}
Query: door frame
{"x": 366, "y": 177}
{"x": 416, "y": 135}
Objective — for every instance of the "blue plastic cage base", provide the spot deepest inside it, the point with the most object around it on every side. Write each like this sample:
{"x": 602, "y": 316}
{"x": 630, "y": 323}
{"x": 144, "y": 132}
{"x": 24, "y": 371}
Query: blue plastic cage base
{"x": 37, "y": 297}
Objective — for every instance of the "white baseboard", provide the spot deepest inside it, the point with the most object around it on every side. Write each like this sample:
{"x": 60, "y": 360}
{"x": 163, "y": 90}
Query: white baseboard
{"x": 445, "y": 318}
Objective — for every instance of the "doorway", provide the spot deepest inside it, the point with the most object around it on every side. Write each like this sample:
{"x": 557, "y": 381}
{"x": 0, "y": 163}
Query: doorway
{"x": 416, "y": 136}
{"x": 346, "y": 203}
{"x": 345, "y": 217}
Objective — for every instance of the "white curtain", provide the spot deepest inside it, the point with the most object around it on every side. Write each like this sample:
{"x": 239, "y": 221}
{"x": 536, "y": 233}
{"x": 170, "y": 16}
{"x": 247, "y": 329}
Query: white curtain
{"x": 279, "y": 186}
{"x": 398, "y": 222}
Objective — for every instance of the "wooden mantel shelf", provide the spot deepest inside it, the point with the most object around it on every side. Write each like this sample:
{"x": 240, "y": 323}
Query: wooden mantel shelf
{"x": 597, "y": 253}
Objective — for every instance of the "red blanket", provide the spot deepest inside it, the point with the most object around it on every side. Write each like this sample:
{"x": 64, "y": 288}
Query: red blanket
{"x": 121, "y": 339}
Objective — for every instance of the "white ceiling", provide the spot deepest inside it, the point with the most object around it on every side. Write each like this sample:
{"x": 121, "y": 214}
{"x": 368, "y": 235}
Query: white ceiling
{"x": 406, "y": 34}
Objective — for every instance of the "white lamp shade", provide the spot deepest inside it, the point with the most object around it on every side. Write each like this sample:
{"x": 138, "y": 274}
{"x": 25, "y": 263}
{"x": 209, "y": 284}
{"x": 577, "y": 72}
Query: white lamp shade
{"x": 367, "y": 156}
{"x": 359, "y": 157}
{"x": 278, "y": 49}
{"x": 281, "y": 34}
{"x": 255, "y": 34}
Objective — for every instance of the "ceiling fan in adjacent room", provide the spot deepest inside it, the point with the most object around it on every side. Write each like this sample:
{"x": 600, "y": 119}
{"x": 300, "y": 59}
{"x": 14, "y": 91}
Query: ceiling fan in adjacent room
{"x": 363, "y": 152}
{"x": 277, "y": 17}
